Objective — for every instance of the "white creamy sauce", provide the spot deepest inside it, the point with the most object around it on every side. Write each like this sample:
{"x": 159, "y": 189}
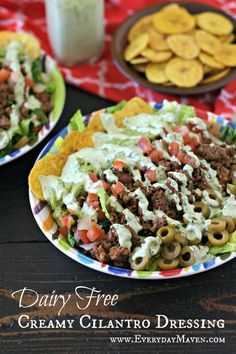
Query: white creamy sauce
{"x": 32, "y": 103}
{"x": 149, "y": 248}
{"x": 143, "y": 205}
{"x": 110, "y": 176}
{"x": 229, "y": 208}
{"x": 124, "y": 235}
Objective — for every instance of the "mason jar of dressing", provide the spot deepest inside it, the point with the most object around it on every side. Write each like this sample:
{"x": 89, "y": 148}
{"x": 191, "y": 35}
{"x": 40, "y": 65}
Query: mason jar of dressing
{"x": 75, "y": 29}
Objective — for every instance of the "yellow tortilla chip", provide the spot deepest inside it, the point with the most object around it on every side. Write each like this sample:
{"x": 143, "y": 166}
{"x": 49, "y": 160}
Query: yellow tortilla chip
{"x": 27, "y": 40}
{"x": 184, "y": 73}
{"x": 141, "y": 26}
{"x": 48, "y": 165}
{"x": 75, "y": 141}
{"x": 207, "y": 42}
{"x": 30, "y": 42}
{"x": 95, "y": 123}
{"x": 133, "y": 107}
{"x": 183, "y": 45}
{"x": 214, "y": 23}
{"x": 6, "y": 37}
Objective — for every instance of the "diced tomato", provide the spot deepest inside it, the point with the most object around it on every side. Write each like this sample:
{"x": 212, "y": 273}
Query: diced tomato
{"x": 92, "y": 200}
{"x": 83, "y": 236}
{"x": 4, "y": 75}
{"x": 29, "y": 82}
{"x": 63, "y": 231}
{"x": 181, "y": 129}
{"x": 95, "y": 232}
{"x": 14, "y": 76}
{"x": 118, "y": 164}
{"x": 192, "y": 140}
{"x": 93, "y": 177}
{"x": 105, "y": 184}
{"x": 67, "y": 221}
{"x": 145, "y": 145}
{"x": 156, "y": 155}
{"x": 151, "y": 175}
{"x": 185, "y": 159}
{"x": 101, "y": 215}
{"x": 92, "y": 197}
{"x": 174, "y": 148}
{"x": 117, "y": 188}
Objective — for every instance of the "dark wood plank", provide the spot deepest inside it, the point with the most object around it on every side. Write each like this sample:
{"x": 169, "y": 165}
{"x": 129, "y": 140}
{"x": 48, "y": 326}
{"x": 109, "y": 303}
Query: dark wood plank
{"x": 16, "y": 218}
{"x": 40, "y": 266}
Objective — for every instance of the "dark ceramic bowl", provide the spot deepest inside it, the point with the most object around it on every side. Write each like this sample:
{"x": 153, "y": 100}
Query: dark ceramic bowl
{"x": 119, "y": 43}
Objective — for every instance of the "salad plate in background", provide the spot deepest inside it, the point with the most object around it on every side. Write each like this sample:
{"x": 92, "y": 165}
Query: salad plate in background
{"x": 32, "y": 94}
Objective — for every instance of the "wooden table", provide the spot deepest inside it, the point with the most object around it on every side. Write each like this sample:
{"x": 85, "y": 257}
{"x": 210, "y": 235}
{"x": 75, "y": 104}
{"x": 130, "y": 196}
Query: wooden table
{"x": 29, "y": 260}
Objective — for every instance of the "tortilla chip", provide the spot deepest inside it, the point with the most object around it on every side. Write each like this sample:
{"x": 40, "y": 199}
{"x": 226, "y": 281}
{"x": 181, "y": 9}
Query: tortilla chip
{"x": 48, "y": 165}
{"x": 133, "y": 107}
{"x": 95, "y": 123}
{"x": 75, "y": 141}
{"x": 30, "y": 42}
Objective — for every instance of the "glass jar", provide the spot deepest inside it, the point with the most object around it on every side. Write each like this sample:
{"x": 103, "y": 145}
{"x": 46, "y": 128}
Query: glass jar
{"x": 75, "y": 29}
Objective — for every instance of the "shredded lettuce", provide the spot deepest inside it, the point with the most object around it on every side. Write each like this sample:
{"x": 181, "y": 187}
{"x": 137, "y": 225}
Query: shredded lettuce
{"x": 184, "y": 113}
{"x": 76, "y": 122}
{"x": 230, "y": 246}
{"x": 116, "y": 107}
{"x": 25, "y": 126}
{"x": 50, "y": 86}
{"x": 103, "y": 201}
{"x": 41, "y": 115}
{"x": 37, "y": 70}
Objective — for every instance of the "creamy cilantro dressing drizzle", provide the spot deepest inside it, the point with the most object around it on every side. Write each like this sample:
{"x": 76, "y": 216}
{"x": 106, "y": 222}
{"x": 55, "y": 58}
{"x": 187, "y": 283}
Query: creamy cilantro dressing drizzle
{"x": 149, "y": 248}
{"x": 107, "y": 151}
{"x": 124, "y": 235}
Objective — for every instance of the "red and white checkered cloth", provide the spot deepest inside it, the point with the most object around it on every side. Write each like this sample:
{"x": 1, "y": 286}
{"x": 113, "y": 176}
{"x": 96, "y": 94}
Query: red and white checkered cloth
{"x": 102, "y": 77}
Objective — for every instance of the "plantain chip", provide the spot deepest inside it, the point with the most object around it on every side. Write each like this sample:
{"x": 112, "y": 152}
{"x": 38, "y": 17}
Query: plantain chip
{"x": 215, "y": 76}
{"x": 141, "y": 26}
{"x": 156, "y": 57}
{"x": 184, "y": 73}
{"x": 155, "y": 72}
{"x": 214, "y": 23}
{"x": 157, "y": 40}
{"x": 183, "y": 45}
{"x": 207, "y": 42}
{"x": 210, "y": 61}
{"x": 136, "y": 47}
{"x": 227, "y": 55}
{"x": 173, "y": 21}
{"x": 139, "y": 60}
{"x": 141, "y": 68}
